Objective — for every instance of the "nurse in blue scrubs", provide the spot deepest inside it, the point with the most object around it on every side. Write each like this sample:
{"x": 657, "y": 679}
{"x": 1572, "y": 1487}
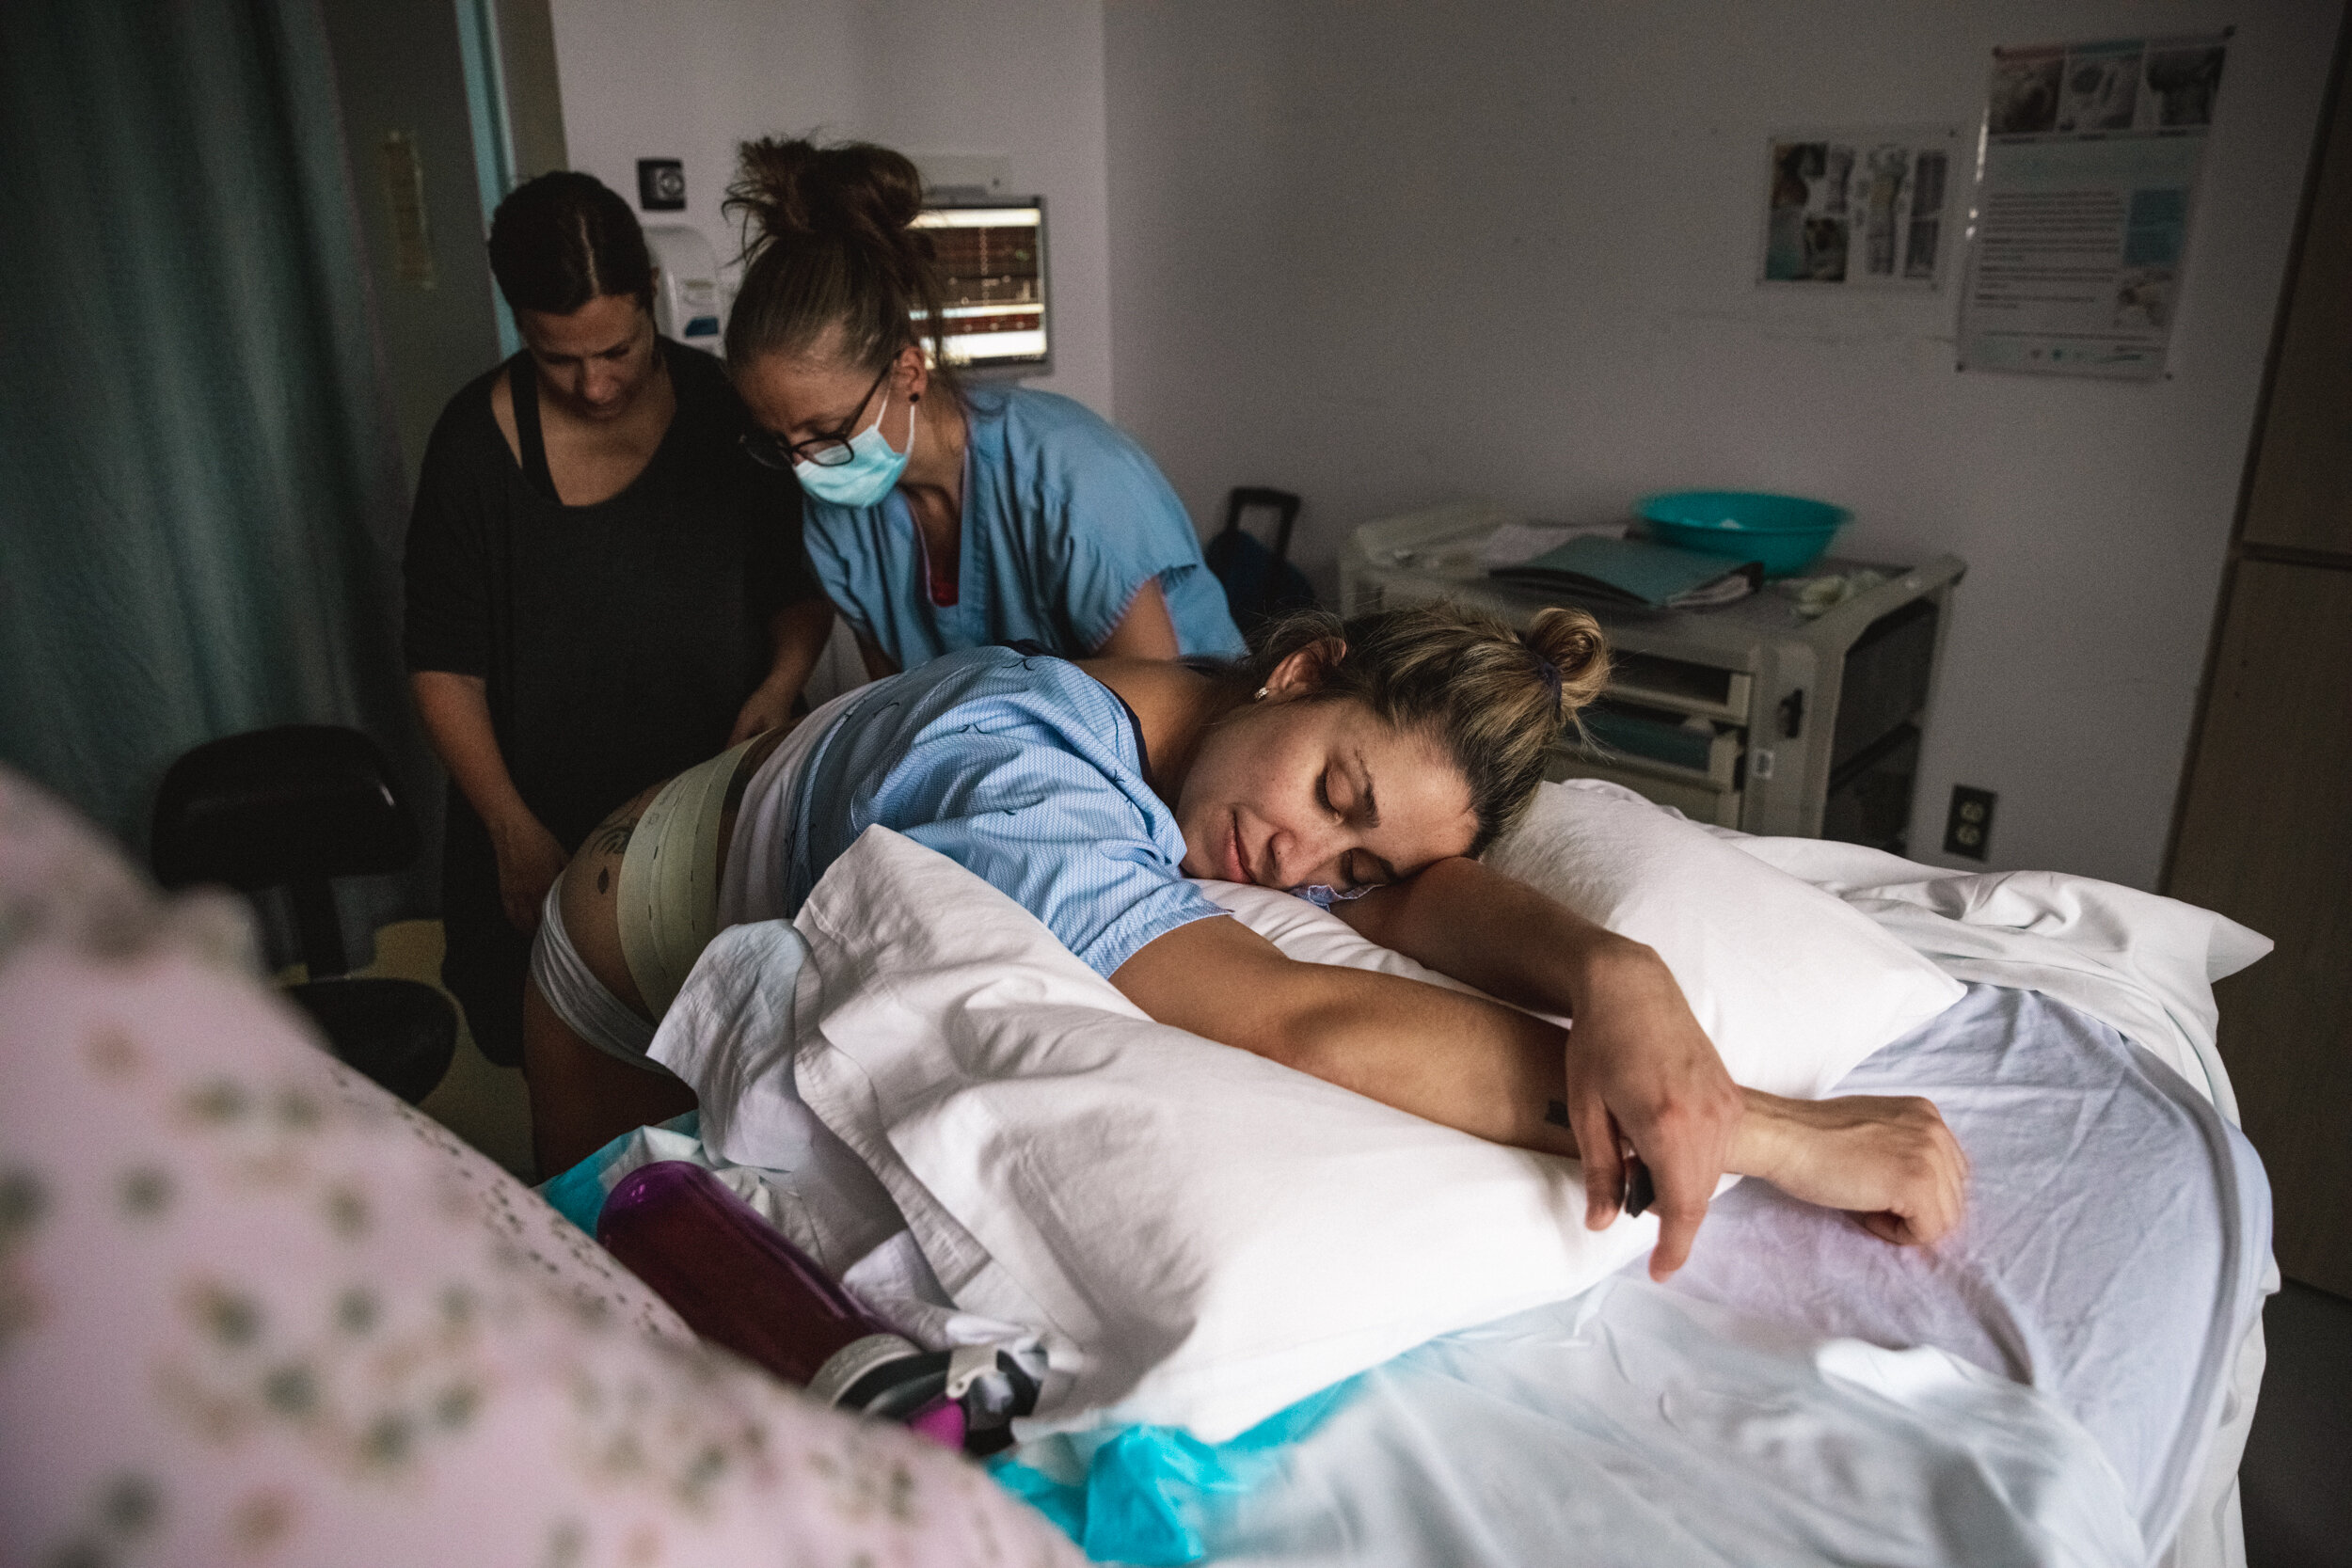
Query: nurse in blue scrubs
{"x": 940, "y": 517}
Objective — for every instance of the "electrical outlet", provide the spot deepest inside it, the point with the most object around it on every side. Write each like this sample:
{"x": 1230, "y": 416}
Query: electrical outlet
{"x": 1968, "y": 826}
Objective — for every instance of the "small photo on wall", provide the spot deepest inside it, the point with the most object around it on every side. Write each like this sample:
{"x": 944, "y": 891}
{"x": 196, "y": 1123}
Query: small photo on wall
{"x": 1806, "y": 241}
{"x": 1865, "y": 207}
{"x": 2027, "y": 83}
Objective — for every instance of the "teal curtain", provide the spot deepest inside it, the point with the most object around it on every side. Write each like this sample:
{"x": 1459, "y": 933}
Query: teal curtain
{"x": 202, "y": 497}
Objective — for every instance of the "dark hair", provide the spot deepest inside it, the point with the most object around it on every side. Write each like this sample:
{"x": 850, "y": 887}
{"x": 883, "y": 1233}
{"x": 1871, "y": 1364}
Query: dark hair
{"x": 829, "y": 241}
{"x": 1495, "y": 699}
{"x": 563, "y": 239}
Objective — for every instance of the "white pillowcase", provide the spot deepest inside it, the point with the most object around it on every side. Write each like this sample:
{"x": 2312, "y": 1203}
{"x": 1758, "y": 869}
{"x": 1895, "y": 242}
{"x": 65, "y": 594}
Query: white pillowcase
{"x": 1200, "y": 1236}
{"x": 1794, "y": 986}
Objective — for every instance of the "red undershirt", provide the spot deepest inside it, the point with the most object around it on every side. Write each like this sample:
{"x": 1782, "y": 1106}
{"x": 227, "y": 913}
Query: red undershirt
{"x": 942, "y": 593}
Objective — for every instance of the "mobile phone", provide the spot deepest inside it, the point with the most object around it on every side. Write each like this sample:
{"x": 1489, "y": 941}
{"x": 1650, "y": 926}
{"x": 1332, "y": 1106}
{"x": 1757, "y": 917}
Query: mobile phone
{"x": 1639, "y": 1191}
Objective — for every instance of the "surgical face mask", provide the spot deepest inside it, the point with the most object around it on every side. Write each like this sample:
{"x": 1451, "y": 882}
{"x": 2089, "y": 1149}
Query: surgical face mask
{"x": 872, "y": 466}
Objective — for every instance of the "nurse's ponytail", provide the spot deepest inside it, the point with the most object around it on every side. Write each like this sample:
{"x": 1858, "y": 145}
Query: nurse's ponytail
{"x": 829, "y": 242}
{"x": 1497, "y": 700}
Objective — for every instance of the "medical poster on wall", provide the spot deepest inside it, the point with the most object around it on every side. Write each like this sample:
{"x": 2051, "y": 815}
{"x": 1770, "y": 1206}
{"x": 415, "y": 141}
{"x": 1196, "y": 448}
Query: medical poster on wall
{"x": 1868, "y": 208}
{"x": 2084, "y": 192}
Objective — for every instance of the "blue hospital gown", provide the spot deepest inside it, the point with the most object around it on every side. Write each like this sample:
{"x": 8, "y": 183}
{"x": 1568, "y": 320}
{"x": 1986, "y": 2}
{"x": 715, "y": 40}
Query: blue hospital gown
{"x": 1065, "y": 520}
{"x": 1025, "y": 770}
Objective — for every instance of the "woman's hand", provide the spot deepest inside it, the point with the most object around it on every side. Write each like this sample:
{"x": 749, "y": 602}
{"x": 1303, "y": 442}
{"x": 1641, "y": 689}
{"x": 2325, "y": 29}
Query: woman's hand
{"x": 1641, "y": 1070}
{"x": 1887, "y": 1160}
{"x": 530, "y": 860}
{"x": 797, "y": 633}
{"x": 769, "y": 707}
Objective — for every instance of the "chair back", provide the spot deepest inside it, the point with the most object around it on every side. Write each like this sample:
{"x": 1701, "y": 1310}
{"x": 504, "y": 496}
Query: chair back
{"x": 294, "y": 807}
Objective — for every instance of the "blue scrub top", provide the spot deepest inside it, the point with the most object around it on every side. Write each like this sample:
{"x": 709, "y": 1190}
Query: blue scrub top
{"x": 1025, "y": 770}
{"x": 1064, "y": 521}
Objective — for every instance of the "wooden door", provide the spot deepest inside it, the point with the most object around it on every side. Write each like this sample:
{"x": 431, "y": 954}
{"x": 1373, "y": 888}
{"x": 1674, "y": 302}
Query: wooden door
{"x": 2300, "y": 494}
{"x": 2264, "y": 832}
{"x": 2268, "y": 840}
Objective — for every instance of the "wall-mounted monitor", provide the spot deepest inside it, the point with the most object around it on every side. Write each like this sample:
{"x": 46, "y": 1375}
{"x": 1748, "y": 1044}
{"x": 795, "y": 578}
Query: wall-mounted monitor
{"x": 992, "y": 258}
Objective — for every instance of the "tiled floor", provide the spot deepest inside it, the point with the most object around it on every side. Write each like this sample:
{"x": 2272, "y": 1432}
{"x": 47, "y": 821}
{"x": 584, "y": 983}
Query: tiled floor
{"x": 2296, "y": 1483}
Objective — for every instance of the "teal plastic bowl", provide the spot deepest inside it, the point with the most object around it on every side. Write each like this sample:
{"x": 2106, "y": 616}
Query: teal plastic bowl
{"x": 1786, "y": 533}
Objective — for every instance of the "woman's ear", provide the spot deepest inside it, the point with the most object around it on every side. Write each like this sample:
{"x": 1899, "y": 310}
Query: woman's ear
{"x": 913, "y": 371}
{"x": 1303, "y": 672}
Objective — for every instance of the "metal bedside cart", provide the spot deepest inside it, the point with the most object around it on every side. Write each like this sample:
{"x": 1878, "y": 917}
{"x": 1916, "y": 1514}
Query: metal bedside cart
{"x": 1750, "y": 716}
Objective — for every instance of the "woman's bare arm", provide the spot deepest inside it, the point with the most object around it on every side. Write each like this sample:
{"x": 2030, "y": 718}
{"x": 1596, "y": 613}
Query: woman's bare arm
{"x": 878, "y": 665}
{"x": 1464, "y": 1061}
{"x": 456, "y": 713}
{"x": 1493, "y": 1071}
{"x": 1145, "y": 632}
{"x": 1637, "y": 1062}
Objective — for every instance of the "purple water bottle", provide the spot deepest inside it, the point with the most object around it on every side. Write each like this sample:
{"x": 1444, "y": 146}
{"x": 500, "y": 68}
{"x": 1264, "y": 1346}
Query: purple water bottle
{"x": 739, "y": 1283}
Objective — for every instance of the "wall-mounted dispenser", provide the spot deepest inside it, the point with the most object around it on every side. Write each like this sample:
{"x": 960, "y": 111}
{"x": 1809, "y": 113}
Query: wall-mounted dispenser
{"x": 686, "y": 303}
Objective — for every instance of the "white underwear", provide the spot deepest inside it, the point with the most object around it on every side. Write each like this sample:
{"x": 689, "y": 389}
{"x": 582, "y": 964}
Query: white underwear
{"x": 674, "y": 896}
{"x": 579, "y": 999}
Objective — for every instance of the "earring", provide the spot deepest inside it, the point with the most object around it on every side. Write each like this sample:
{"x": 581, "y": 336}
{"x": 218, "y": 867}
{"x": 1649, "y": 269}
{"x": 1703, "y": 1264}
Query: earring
{"x": 915, "y": 397}
{"x": 1260, "y": 696}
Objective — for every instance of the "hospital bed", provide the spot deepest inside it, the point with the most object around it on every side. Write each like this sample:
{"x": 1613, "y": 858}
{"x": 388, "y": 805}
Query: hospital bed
{"x": 2131, "y": 1305}
{"x": 2135, "y": 1305}
{"x": 1760, "y": 1408}
{"x": 2069, "y": 1378}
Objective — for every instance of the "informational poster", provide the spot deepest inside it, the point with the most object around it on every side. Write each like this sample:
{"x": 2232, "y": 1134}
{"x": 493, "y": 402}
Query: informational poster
{"x": 2085, "y": 189}
{"x": 1860, "y": 208}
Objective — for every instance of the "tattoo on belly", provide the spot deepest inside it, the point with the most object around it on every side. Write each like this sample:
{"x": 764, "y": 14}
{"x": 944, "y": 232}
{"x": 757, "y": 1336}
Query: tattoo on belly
{"x": 613, "y": 837}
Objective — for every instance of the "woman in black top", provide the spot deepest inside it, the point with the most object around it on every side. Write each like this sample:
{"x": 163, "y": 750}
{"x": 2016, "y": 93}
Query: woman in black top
{"x": 602, "y": 589}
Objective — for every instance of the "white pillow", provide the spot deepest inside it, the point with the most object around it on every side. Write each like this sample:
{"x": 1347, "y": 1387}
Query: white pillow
{"x": 1200, "y": 1236}
{"x": 1794, "y": 986}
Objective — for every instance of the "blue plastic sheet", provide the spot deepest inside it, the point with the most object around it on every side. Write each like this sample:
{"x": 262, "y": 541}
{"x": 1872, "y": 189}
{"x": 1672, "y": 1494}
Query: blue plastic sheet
{"x": 1148, "y": 1491}
{"x": 579, "y": 1193}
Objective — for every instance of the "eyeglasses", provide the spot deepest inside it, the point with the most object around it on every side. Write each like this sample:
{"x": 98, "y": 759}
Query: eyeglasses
{"x": 830, "y": 450}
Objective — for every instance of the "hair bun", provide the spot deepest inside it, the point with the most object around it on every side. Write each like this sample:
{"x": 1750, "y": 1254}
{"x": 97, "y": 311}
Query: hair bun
{"x": 791, "y": 186}
{"x": 1570, "y": 641}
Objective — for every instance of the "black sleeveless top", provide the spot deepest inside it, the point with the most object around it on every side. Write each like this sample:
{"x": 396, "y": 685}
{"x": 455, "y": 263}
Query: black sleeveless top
{"x": 617, "y": 641}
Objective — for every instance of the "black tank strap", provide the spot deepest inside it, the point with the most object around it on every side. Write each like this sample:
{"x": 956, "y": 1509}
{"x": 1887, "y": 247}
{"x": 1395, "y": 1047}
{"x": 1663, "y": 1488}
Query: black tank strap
{"x": 522, "y": 383}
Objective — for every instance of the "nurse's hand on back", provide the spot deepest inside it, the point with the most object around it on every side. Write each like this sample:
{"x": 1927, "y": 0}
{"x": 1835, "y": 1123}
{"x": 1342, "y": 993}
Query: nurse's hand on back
{"x": 938, "y": 517}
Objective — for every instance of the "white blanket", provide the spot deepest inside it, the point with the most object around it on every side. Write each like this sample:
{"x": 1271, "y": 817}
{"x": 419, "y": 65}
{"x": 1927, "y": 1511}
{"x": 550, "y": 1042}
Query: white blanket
{"x": 2140, "y": 963}
{"x": 1637, "y": 1428}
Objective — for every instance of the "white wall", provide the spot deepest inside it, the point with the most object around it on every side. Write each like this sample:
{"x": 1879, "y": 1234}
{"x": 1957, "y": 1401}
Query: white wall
{"x": 690, "y": 78}
{"x": 1388, "y": 254}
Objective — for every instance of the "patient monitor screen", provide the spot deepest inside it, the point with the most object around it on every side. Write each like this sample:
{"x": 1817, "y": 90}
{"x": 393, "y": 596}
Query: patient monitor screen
{"x": 993, "y": 265}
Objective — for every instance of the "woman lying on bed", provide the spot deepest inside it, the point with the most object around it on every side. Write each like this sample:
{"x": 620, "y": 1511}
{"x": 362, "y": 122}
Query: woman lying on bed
{"x": 1363, "y": 767}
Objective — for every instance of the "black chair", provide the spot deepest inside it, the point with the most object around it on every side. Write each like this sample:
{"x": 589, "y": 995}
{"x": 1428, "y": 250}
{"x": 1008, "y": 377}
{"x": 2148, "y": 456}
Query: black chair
{"x": 295, "y": 807}
{"x": 1260, "y": 581}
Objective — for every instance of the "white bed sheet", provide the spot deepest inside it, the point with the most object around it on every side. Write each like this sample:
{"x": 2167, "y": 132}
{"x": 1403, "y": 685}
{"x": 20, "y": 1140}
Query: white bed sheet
{"x": 1638, "y": 1426}
{"x": 2069, "y": 1276}
{"x": 2117, "y": 1279}
{"x": 2065, "y": 1281}
{"x": 1764, "y": 1407}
